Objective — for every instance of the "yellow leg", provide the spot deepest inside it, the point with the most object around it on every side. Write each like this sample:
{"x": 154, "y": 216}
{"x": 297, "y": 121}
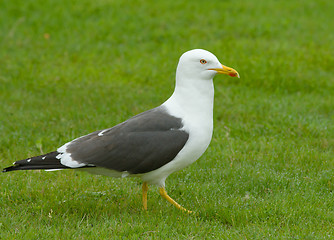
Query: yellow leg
{"x": 164, "y": 194}
{"x": 145, "y": 189}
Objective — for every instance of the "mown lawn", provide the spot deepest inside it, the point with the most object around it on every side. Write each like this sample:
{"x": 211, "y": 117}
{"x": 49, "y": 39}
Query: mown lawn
{"x": 68, "y": 68}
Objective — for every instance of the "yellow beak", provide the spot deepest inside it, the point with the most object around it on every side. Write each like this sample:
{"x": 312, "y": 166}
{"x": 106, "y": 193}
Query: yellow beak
{"x": 226, "y": 70}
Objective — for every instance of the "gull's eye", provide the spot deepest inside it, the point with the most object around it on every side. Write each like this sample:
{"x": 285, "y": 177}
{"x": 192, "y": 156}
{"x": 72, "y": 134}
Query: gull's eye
{"x": 203, "y": 61}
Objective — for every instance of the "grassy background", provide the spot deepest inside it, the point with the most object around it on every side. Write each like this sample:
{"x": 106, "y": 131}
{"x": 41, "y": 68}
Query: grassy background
{"x": 71, "y": 67}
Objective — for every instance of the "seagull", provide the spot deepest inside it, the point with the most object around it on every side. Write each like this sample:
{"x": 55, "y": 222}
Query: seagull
{"x": 152, "y": 144}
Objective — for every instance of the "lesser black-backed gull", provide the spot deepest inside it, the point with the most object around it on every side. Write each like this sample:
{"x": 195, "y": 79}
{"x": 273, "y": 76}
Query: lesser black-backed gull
{"x": 153, "y": 144}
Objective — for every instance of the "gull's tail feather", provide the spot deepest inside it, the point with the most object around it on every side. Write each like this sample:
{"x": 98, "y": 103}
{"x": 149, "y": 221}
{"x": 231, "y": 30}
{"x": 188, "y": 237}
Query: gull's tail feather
{"x": 47, "y": 161}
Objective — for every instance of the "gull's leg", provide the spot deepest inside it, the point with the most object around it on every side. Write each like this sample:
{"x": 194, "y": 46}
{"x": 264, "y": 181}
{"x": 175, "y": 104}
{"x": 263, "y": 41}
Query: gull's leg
{"x": 145, "y": 189}
{"x": 164, "y": 194}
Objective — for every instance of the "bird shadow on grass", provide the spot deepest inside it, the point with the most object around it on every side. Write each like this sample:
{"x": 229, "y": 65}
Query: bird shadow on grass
{"x": 97, "y": 205}
{"x": 101, "y": 205}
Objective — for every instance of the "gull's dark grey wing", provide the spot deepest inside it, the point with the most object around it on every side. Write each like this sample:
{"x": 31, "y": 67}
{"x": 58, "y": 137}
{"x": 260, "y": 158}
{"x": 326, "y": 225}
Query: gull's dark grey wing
{"x": 141, "y": 144}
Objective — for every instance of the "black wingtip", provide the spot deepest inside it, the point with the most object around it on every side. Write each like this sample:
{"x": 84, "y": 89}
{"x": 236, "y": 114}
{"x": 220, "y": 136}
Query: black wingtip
{"x": 8, "y": 169}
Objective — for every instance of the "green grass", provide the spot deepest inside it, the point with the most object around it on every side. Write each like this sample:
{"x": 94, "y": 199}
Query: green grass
{"x": 71, "y": 67}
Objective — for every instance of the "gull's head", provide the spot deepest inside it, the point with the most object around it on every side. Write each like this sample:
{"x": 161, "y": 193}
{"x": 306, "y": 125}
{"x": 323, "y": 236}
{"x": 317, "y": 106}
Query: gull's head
{"x": 199, "y": 63}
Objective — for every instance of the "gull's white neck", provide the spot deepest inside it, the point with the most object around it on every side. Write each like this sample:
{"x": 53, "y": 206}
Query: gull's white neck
{"x": 192, "y": 99}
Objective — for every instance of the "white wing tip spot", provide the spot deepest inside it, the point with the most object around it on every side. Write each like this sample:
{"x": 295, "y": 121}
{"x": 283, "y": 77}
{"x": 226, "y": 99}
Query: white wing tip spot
{"x": 101, "y": 133}
{"x": 29, "y": 160}
{"x": 43, "y": 158}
